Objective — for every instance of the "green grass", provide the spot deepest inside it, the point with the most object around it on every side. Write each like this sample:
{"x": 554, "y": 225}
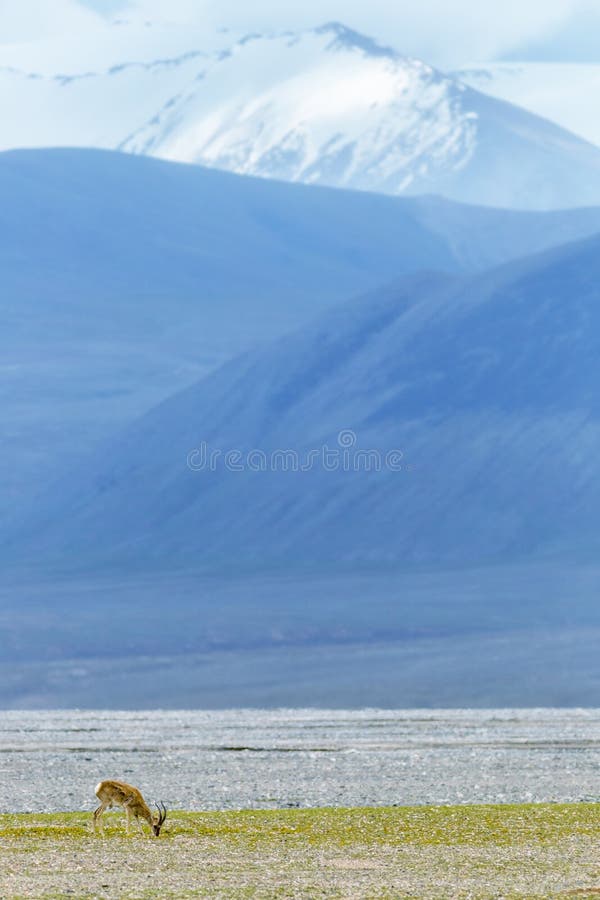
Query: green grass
{"x": 476, "y": 825}
{"x": 423, "y": 826}
{"x": 524, "y": 851}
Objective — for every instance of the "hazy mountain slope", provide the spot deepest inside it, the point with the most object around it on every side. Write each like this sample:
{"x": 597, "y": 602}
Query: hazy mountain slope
{"x": 565, "y": 93}
{"x": 125, "y": 279}
{"x": 109, "y": 231}
{"x": 521, "y": 161}
{"x": 487, "y": 386}
{"x": 326, "y": 106}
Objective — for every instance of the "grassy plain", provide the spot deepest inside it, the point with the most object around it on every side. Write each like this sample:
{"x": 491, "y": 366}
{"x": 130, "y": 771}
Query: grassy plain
{"x": 525, "y": 851}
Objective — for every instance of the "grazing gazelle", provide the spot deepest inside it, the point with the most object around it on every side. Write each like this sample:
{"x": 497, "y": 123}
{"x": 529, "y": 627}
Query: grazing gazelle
{"x": 117, "y": 793}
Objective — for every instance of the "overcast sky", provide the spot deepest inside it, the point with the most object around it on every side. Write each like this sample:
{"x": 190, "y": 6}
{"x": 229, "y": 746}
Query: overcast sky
{"x": 446, "y": 33}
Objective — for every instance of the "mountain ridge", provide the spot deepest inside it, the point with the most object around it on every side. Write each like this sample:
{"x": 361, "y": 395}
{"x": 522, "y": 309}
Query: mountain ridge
{"x": 473, "y": 381}
{"x": 126, "y": 278}
{"x": 560, "y": 92}
{"x": 325, "y": 106}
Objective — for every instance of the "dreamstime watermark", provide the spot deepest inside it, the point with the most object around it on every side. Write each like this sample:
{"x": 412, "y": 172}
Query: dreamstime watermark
{"x": 345, "y": 457}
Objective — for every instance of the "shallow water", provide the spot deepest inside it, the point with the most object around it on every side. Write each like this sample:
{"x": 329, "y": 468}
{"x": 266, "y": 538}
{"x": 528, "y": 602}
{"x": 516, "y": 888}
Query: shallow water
{"x": 51, "y": 761}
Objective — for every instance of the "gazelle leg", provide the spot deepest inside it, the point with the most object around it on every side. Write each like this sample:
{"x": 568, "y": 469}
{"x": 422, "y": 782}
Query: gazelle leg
{"x": 98, "y": 817}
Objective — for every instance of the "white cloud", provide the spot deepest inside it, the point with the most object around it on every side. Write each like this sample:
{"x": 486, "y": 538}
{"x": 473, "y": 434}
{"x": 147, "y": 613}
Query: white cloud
{"x": 27, "y": 20}
{"x": 444, "y": 32}
{"x": 447, "y": 33}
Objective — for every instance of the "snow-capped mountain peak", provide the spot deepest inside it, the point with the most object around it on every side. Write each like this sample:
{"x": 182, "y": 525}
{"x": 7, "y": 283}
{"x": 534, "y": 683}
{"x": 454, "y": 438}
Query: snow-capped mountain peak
{"x": 345, "y": 38}
{"x": 324, "y": 106}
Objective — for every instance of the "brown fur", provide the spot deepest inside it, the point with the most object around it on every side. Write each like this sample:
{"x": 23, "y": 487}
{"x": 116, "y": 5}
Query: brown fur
{"x": 119, "y": 793}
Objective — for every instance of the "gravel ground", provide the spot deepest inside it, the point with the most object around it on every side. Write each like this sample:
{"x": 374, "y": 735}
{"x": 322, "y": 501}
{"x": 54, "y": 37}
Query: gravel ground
{"x": 428, "y": 852}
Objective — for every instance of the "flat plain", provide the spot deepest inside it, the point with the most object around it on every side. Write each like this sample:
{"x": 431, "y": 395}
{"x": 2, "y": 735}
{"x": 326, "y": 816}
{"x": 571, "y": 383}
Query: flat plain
{"x": 478, "y": 851}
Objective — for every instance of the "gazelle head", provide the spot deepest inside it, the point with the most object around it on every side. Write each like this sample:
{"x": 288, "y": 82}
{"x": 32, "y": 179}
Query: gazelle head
{"x": 158, "y": 823}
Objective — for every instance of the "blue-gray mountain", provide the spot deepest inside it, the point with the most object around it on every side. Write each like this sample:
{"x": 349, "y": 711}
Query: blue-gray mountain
{"x": 487, "y": 384}
{"x": 125, "y": 279}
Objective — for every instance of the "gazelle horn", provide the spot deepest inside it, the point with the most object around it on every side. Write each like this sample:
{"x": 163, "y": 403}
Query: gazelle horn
{"x": 162, "y": 813}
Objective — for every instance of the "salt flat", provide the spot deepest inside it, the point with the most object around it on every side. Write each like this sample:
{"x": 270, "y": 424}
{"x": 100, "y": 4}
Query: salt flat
{"x": 232, "y": 759}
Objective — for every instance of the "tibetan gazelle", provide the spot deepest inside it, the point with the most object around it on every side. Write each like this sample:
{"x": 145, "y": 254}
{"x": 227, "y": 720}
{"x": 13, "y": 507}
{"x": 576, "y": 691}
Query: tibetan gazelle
{"x": 117, "y": 793}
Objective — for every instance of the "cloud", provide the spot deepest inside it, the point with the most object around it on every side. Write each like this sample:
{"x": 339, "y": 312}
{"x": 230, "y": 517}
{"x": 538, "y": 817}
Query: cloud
{"x": 105, "y": 7}
{"x": 576, "y": 40}
{"x": 442, "y": 32}
{"x": 27, "y": 20}
{"x": 446, "y": 33}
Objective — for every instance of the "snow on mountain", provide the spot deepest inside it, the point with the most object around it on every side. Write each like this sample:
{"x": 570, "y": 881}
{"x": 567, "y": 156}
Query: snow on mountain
{"x": 478, "y": 396}
{"x": 565, "y": 93}
{"x": 327, "y": 106}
